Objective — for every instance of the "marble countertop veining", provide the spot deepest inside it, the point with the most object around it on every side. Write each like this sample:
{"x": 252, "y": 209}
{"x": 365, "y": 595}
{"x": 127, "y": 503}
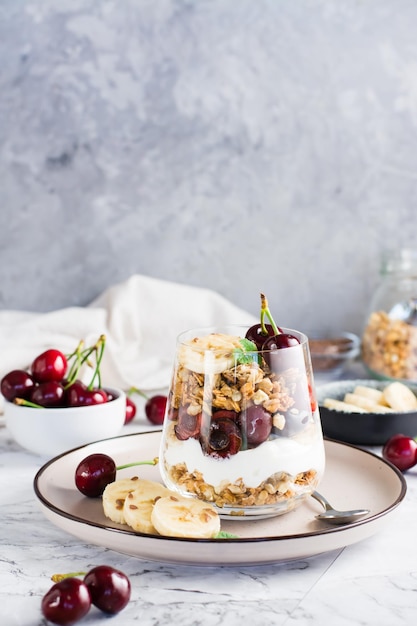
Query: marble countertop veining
{"x": 371, "y": 582}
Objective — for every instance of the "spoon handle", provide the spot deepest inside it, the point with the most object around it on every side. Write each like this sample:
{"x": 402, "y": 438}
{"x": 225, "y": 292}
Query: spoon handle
{"x": 317, "y": 496}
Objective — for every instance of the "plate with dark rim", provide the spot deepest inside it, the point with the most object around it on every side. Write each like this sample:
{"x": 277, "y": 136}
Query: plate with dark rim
{"x": 368, "y": 481}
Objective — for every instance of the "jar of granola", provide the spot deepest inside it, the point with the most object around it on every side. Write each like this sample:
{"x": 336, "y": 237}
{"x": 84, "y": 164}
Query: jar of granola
{"x": 389, "y": 342}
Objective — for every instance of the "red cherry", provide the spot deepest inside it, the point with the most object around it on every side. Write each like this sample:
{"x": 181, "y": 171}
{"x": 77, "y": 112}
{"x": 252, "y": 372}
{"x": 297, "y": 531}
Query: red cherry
{"x": 276, "y": 354}
{"x": 188, "y": 426}
{"x": 17, "y": 384}
{"x": 50, "y": 365}
{"x": 79, "y": 395}
{"x": 66, "y": 602}
{"x": 109, "y": 588}
{"x": 48, "y": 394}
{"x": 225, "y": 438}
{"x": 155, "y": 409}
{"x": 232, "y": 415}
{"x": 401, "y": 451}
{"x": 255, "y": 333}
{"x": 277, "y": 342}
{"x": 130, "y": 410}
{"x": 257, "y": 423}
{"x": 94, "y": 473}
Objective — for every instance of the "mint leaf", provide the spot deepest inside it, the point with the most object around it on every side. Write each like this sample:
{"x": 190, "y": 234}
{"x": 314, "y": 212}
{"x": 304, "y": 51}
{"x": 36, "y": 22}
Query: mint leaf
{"x": 222, "y": 534}
{"x": 245, "y": 353}
{"x": 248, "y": 345}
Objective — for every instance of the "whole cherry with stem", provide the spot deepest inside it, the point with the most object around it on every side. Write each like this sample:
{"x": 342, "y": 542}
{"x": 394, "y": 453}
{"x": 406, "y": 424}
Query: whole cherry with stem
{"x": 279, "y": 340}
{"x": 258, "y": 333}
{"x": 96, "y": 471}
{"x": 269, "y": 337}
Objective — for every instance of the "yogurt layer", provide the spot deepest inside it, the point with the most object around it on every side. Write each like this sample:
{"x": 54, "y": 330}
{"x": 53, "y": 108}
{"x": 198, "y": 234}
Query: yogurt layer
{"x": 251, "y": 466}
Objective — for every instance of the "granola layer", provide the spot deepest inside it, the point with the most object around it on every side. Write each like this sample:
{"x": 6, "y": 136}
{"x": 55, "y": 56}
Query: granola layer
{"x": 279, "y": 487}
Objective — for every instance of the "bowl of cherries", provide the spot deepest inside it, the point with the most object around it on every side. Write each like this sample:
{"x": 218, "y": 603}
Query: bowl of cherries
{"x": 49, "y": 409}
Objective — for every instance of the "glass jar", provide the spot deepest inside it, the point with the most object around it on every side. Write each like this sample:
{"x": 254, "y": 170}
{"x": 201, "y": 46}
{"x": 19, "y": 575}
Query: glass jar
{"x": 389, "y": 341}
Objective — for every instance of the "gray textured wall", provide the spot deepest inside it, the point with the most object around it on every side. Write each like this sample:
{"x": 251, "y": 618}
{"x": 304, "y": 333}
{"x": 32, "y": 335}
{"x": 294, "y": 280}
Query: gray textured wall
{"x": 236, "y": 145}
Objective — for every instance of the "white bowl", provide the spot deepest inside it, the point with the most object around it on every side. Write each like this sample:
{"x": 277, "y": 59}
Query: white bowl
{"x": 51, "y": 431}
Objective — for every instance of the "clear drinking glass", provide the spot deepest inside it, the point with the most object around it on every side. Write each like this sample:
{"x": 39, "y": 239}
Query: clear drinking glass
{"x": 242, "y": 428}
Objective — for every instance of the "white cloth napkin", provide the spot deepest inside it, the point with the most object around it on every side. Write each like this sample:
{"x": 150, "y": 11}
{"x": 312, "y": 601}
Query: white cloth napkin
{"x": 141, "y": 319}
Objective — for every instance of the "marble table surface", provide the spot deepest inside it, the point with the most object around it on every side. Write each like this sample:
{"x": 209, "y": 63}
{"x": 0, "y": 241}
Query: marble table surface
{"x": 370, "y": 582}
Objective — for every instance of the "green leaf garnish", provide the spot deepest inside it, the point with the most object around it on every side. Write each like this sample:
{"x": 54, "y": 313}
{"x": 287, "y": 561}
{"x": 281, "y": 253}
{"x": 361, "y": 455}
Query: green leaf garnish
{"x": 222, "y": 534}
{"x": 247, "y": 353}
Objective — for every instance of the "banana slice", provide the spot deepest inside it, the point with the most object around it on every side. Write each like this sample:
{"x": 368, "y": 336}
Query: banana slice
{"x": 114, "y": 497}
{"x": 369, "y": 392}
{"x": 210, "y": 354}
{"x": 339, "y": 405}
{"x": 366, "y": 403}
{"x": 139, "y": 503}
{"x": 175, "y": 516}
{"x": 400, "y": 397}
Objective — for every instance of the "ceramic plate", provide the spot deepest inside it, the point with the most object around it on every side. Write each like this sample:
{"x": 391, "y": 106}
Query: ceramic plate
{"x": 368, "y": 429}
{"x": 353, "y": 478}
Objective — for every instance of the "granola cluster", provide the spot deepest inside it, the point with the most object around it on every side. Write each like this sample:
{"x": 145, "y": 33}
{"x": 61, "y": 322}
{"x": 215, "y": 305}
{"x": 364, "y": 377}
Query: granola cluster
{"x": 280, "y": 487}
{"x": 233, "y": 390}
{"x": 389, "y": 346}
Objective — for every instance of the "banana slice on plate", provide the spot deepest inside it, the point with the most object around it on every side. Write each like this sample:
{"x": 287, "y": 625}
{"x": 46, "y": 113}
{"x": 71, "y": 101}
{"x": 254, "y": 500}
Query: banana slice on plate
{"x": 210, "y": 354}
{"x": 114, "y": 497}
{"x": 139, "y": 504}
{"x": 175, "y": 516}
{"x": 149, "y": 507}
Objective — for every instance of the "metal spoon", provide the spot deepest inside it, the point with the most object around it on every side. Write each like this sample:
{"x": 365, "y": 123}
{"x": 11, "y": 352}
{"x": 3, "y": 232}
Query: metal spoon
{"x": 333, "y": 516}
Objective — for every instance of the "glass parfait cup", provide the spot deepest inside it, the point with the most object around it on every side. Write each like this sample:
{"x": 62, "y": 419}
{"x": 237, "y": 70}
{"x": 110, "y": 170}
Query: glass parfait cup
{"x": 242, "y": 429}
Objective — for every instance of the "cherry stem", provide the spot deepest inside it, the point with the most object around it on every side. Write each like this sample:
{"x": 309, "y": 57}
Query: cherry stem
{"x": 155, "y": 461}
{"x": 138, "y": 391}
{"x": 56, "y": 578}
{"x": 81, "y": 357}
{"x": 99, "y": 348}
{"x": 78, "y": 356}
{"x": 265, "y": 311}
{"x": 75, "y": 352}
{"x": 23, "y": 402}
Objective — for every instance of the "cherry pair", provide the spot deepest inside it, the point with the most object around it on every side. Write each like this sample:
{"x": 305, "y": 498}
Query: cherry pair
{"x": 154, "y": 407}
{"x": 70, "y": 598}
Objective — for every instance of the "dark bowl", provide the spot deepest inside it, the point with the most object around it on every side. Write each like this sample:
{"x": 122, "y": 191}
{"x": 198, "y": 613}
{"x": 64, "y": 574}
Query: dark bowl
{"x": 372, "y": 429}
